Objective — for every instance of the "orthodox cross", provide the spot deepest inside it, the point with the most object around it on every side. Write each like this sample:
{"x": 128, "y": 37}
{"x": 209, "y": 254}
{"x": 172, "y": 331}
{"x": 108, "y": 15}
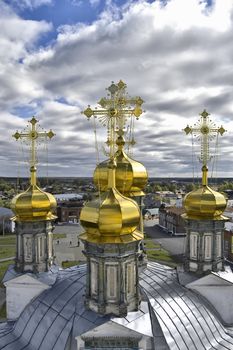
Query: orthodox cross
{"x": 33, "y": 135}
{"x": 116, "y": 108}
{"x": 205, "y": 130}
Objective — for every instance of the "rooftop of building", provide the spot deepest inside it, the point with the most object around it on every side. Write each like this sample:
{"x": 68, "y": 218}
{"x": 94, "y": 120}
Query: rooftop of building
{"x": 6, "y": 212}
{"x": 180, "y": 318}
{"x": 175, "y": 210}
{"x": 68, "y": 196}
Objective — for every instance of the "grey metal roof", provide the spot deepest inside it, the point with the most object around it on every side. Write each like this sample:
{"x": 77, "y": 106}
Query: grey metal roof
{"x": 47, "y": 322}
{"x": 138, "y": 321}
{"x": 186, "y": 321}
{"x": 48, "y": 278}
{"x": 180, "y": 319}
{"x": 152, "y": 211}
{"x": 6, "y": 212}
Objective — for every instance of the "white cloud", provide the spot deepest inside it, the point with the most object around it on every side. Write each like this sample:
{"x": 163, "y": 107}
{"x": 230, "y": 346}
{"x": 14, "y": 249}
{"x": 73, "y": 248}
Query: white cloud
{"x": 182, "y": 15}
{"x": 30, "y": 4}
{"x": 17, "y": 40}
{"x": 178, "y": 57}
{"x": 76, "y": 2}
{"x": 94, "y": 2}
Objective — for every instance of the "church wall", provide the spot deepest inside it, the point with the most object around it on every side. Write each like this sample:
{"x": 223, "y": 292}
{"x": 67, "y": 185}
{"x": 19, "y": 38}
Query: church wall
{"x": 19, "y": 292}
{"x": 96, "y": 339}
{"x": 204, "y": 245}
{"x": 34, "y": 246}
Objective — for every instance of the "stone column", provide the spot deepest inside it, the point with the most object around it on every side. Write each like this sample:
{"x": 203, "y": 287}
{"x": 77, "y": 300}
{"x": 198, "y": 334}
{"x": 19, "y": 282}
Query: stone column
{"x": 101, "y": 287}
{"x": 200, "y": 252}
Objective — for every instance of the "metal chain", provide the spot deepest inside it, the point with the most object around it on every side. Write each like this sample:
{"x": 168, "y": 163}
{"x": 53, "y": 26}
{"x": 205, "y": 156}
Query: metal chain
{"x": 97, "y": 155}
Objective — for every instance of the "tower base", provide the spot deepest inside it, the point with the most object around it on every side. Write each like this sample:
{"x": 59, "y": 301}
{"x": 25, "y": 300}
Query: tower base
{"x": 112, "y": 278}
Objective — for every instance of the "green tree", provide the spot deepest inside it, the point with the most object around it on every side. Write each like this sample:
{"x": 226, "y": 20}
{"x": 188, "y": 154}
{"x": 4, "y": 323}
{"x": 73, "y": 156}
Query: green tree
{"x": 190, "y": 187}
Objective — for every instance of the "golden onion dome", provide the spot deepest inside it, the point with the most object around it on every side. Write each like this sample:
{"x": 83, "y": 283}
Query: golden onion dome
{"x": 131, "y": 176}
{"x": 112, "y": 218}
{"x": 205, "y": 203}
{"x": 34, "y": 204}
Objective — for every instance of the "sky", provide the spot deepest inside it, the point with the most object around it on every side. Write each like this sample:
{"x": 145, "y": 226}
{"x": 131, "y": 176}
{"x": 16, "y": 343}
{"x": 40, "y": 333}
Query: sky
{"x": 58, "y": 56}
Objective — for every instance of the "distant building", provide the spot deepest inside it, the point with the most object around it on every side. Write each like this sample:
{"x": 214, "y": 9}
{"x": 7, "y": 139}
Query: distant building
{"x": 228, "y": 241}
{"x": 228, "y": 245}
{"x": 69, "y": 206}
{"x": 229, "y": 212}
{"x": 170, "y": 218}
{"x": 168, "y": 197}
{"x": 228, "y": 235}
{"x": 151, "y": 216}
{"x": 151, "y": 200}
{"x": 151, "y": 213}
{"x": 68, "y": 197}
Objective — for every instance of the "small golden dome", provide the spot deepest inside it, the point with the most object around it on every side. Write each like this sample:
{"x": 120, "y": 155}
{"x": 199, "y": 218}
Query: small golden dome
{"x": 204, "y": 203}
{"x": 131, "y": 176}
{"x": 34, "y": 205}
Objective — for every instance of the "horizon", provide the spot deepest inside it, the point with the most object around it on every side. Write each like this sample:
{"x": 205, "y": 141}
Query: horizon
{"x": 59, "y": 56}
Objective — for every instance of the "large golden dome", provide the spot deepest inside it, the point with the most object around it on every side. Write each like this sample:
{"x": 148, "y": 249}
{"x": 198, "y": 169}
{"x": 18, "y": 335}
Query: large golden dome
{"x": 112, "y": 218}
{"x": 204, "y": 203}
{"x": 34, "y": 205}
{"x": 131, "y": 176}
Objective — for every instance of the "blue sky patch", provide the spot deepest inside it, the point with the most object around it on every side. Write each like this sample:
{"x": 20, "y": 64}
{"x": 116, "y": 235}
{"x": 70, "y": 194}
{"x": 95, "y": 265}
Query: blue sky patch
{"x": 24, "y": 111}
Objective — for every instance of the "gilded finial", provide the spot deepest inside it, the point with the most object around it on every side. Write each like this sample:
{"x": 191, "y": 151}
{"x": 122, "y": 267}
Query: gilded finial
{"x": 205, "y": 131}
{"x": 32, "y": 134}
{"x": 204, "y": 114}
{"x": 116, "y": 108}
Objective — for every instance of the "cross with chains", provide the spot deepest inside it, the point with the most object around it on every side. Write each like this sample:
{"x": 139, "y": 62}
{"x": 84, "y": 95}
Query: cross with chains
{"x": 33, "y": 135}
{"x": 205, "y": 130}
{"x": 115, "y": 111}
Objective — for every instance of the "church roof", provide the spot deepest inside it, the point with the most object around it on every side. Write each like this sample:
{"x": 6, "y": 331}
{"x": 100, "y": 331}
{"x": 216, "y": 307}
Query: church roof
{"x": 48, "y": 277}
{"x": 186, "y": 321}
{"x": 5, "y": 212}
{"x": 58, "y": 315}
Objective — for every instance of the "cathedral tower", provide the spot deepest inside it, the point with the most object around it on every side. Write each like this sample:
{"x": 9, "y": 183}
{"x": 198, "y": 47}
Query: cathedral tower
{"x": 204, "y": 208}
{"x": 112, "y": 237}
{"x": 34, "y": 214}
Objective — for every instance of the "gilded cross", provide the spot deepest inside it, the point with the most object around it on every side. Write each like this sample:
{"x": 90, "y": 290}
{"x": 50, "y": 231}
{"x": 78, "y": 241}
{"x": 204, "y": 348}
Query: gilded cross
{"x": 116, "y": 108}
{"x": 33, "y": 135}
{"x": 206, "y": 131}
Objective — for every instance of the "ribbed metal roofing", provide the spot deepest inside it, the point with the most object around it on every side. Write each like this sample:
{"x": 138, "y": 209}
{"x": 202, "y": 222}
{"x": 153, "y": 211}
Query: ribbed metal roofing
{"x": 186, "y": 321}
{"x": 58, "y": 315}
